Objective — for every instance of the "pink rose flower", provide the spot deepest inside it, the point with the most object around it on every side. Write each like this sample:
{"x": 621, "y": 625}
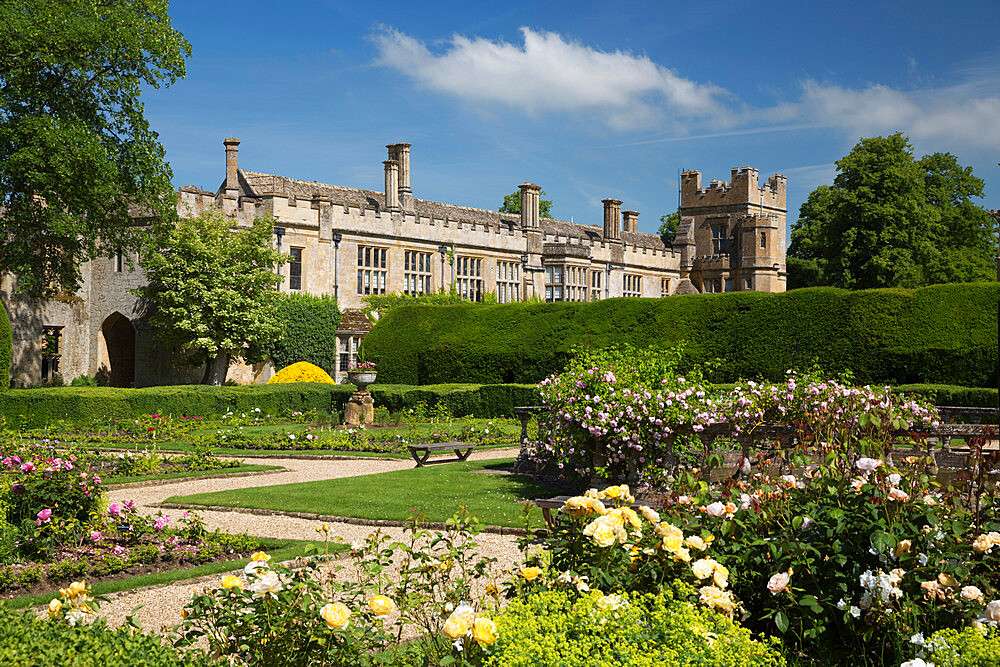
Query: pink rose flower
{"x": 897, "y": 494}
{"x": 43, "y": 517}
{"x": 114, "y": 509}
{"x": 95, "y": 536}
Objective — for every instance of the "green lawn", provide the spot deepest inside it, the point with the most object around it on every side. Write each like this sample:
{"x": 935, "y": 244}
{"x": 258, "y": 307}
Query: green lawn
{"x": 189, "y": 473}
{"x": 279, "y": 550}
{"x": 435, "y": 491}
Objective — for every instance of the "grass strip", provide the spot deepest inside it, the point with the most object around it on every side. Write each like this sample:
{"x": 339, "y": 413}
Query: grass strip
{"x": 279, "y": 550}
{"x": 190, "y": 473}
{"x": 435, "y": 491}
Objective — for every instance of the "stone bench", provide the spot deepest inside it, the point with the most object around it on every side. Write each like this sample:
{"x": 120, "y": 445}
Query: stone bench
{"x": 421, "y": 453}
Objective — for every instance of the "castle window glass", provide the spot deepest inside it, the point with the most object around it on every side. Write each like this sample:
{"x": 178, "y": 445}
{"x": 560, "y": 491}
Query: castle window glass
{"x": 295, "y": 269}
{"x": 51, "y": 351}
{"x": 576, "y": 283}
{"x": 508, "y": 281}
{"x": 119, "y": 262}
{"x": 348, "y": 352}
{"x": 718, "y": 239}
{"x": 596, "y": 278}
{"x": 664, "y": 286}
{"x": 729, "y": 284}
{"x": 416, "y": 273}
{"x": 631, "y": 285}
{"x": 554, "y": 282}
{"x": 763, "y": 239}
{"x": 372, "y": 270}
{"x": 469, "y": 282}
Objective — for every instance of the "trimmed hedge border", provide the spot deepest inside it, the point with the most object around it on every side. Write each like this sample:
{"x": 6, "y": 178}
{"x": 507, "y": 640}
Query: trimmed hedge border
{"x": 32, "y": 408}
{"x": 942, "y": 333}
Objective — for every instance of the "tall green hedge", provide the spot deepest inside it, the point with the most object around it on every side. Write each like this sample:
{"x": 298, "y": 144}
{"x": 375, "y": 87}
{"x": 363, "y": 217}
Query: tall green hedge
{"x": 309, "y": 331}
{"x": 6, "y": 348}
{"x": 939, "y": 334}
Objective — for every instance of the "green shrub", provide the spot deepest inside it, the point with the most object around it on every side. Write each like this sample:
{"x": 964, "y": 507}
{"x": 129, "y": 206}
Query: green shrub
{"x": 967, "y": 648}
{"x": 462, "y": 400}
{"x": 6, "y": 347}
{"x": 83, "y": 381}
{"x": 309, "y": 331}
{"x": 28, "y": 642}
{"x": 942, "y": 333}
{"x": 945, "y": 394}
{"x": 556, "y": 628}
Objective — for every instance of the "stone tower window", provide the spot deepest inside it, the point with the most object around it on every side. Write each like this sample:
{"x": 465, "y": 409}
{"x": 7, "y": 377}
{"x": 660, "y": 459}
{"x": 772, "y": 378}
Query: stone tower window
{"x": 554, "y": 283}
{"x": 348, "y": 352}
{"x": 596, "y": 278}
{"x": 295, "y": 269}
{"x": 372, "y": 270}
{"x": 119, "y": 262}
{"x": 718, "y": 239}
{"x": 664, "y": 286}
{"x": 763, "y": 239}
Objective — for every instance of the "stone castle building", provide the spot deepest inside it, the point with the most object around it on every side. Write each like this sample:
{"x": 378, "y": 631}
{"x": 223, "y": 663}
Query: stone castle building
{"x": 351, "y": 243}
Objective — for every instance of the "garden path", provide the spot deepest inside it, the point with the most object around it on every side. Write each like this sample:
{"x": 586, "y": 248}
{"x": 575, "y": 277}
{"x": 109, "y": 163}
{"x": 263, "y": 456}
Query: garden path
{"x": 162, "y": 605}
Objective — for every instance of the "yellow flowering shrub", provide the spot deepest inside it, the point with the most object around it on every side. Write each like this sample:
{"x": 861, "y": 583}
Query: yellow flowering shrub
{"x": 301, "y": 371}
{"x": 555, "y": 627}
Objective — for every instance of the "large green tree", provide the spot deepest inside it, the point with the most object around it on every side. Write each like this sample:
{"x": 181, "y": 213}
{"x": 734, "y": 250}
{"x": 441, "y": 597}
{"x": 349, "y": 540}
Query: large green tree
{"x": 212, "y": 292}
{"x": 891, "y": 220}
{"x": 512, "y": 204}
{"x": 78, "y": 160}
{"x": 668, "y": 226}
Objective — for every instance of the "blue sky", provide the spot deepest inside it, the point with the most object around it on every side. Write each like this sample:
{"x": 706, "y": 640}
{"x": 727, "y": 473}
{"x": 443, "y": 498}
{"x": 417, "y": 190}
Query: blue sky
{"x": 587, "y": 99}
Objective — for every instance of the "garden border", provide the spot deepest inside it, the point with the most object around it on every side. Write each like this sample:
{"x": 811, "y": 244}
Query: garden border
{"x": 383, "y": 523}
{"x": 191, "y": 478}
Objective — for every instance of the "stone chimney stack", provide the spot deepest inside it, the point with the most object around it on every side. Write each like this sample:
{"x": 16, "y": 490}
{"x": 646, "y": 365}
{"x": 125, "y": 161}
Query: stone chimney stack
{"x": 401, "y": 154}
{"x": 612, "y": 219}
{"x": 391, "y": 185}
{"x": 630, "y": 221}
{"x": 530, "y": 196}
{"x": 232, "y": 179}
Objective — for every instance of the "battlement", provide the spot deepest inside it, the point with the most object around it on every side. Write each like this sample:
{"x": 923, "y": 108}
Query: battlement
{"x": 743, "y": 189}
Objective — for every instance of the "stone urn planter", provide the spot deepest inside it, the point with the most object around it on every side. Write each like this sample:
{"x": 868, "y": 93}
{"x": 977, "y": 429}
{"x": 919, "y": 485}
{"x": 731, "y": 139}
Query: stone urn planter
{"x": 361, "y": 379}
{"x": 360, "y": 409}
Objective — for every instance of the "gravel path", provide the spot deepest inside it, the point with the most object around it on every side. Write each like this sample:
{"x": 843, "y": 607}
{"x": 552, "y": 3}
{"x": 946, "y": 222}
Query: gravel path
{"x": 162, "y": 605}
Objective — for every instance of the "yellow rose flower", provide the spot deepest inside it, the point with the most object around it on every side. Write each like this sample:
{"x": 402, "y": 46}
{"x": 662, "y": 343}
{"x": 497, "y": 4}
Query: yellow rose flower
{"x": 260, "y": 557}
{"x": 682, "y": 554}
{"x": 717, "y": 598}
{"x": 531, "y": 573}
{"x": 664, "y": 529}
{"x": 381, "y": 605}
{"x": 336, "y": 615}
{"x": 948, "y": 580}
{"x": 231, "y": 582}
{"x": 64, "y": 592}
{"x": 484, "y": 631}
{"x": 672, "y": 543}
{"x": 604, "y": 532}
{"x": 695, "y": 542}
{"x": 650, "y": 514}
{"x": 55, "y": 606}
{"x": 703, "y": 568}
{"x": 611, "y": 493}
{"x": 577, "y": 506}
{"x": 460, "y": 622}
{"x": 720, "y": 576}
{"x": 903, "y": 547}
{"x": 77, "y": 588}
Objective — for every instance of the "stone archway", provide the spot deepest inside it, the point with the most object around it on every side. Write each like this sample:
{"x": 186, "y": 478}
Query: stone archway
{"x": 116, "y": 351}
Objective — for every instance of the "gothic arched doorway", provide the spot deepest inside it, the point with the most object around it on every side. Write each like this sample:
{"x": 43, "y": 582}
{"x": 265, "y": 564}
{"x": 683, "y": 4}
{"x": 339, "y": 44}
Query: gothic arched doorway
{"x": 117, "y": 351}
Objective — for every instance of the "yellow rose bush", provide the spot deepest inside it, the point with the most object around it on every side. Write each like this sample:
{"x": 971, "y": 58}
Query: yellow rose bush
{"x": 601, "y": 542}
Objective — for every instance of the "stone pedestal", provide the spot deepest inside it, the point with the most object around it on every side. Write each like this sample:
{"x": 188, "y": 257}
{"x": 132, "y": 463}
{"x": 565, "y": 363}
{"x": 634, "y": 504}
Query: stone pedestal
{"x": 360, "y": 409}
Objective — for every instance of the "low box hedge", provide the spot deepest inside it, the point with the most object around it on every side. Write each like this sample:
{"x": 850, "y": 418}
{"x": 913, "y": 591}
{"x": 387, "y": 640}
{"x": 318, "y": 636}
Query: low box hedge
{"x": 943, "y": 333}
{"x": 30, "y": 408}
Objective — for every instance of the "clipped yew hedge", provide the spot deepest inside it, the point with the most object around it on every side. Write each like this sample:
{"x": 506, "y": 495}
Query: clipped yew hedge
{"x": 940, "y": 334}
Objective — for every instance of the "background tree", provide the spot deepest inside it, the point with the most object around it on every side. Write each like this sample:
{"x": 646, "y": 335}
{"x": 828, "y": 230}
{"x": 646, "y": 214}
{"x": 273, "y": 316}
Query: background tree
{"x": 76, "y": 152}
{"x": 668, "y": 226}
{"x": 212, "y": 292}
{"x": 512, "y": 204}
{"x": 890, "y": 220}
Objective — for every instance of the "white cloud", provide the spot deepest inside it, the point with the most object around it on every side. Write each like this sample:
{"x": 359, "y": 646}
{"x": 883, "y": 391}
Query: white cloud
{"x": 548, "y": 73}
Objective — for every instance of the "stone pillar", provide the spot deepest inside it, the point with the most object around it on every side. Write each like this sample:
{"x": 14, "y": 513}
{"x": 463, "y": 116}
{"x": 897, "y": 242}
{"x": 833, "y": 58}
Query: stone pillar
{"x": 630, "y": 221}
{"x": 612, "y": 219}
{"x": 401, "y": 154}
{"x": 232, "y": 179}
{"x": 530, "y": 198}
{"x": 359, "y": 409}
{"x": 391, "y": 185}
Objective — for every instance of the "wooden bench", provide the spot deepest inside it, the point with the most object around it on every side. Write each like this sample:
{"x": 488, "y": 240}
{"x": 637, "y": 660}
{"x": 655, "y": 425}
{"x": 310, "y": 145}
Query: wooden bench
{"x": 426, "y": 450}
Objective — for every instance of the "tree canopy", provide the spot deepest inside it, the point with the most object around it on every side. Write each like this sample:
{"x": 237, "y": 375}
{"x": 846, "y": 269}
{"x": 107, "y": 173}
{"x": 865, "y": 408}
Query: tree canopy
{"x": 78, "y": 159}
{"x": 512, "y": 204}
{"x": 212, "y": 292}
{"x": 891, "y": 220}
{"x": 668, "y": 226}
